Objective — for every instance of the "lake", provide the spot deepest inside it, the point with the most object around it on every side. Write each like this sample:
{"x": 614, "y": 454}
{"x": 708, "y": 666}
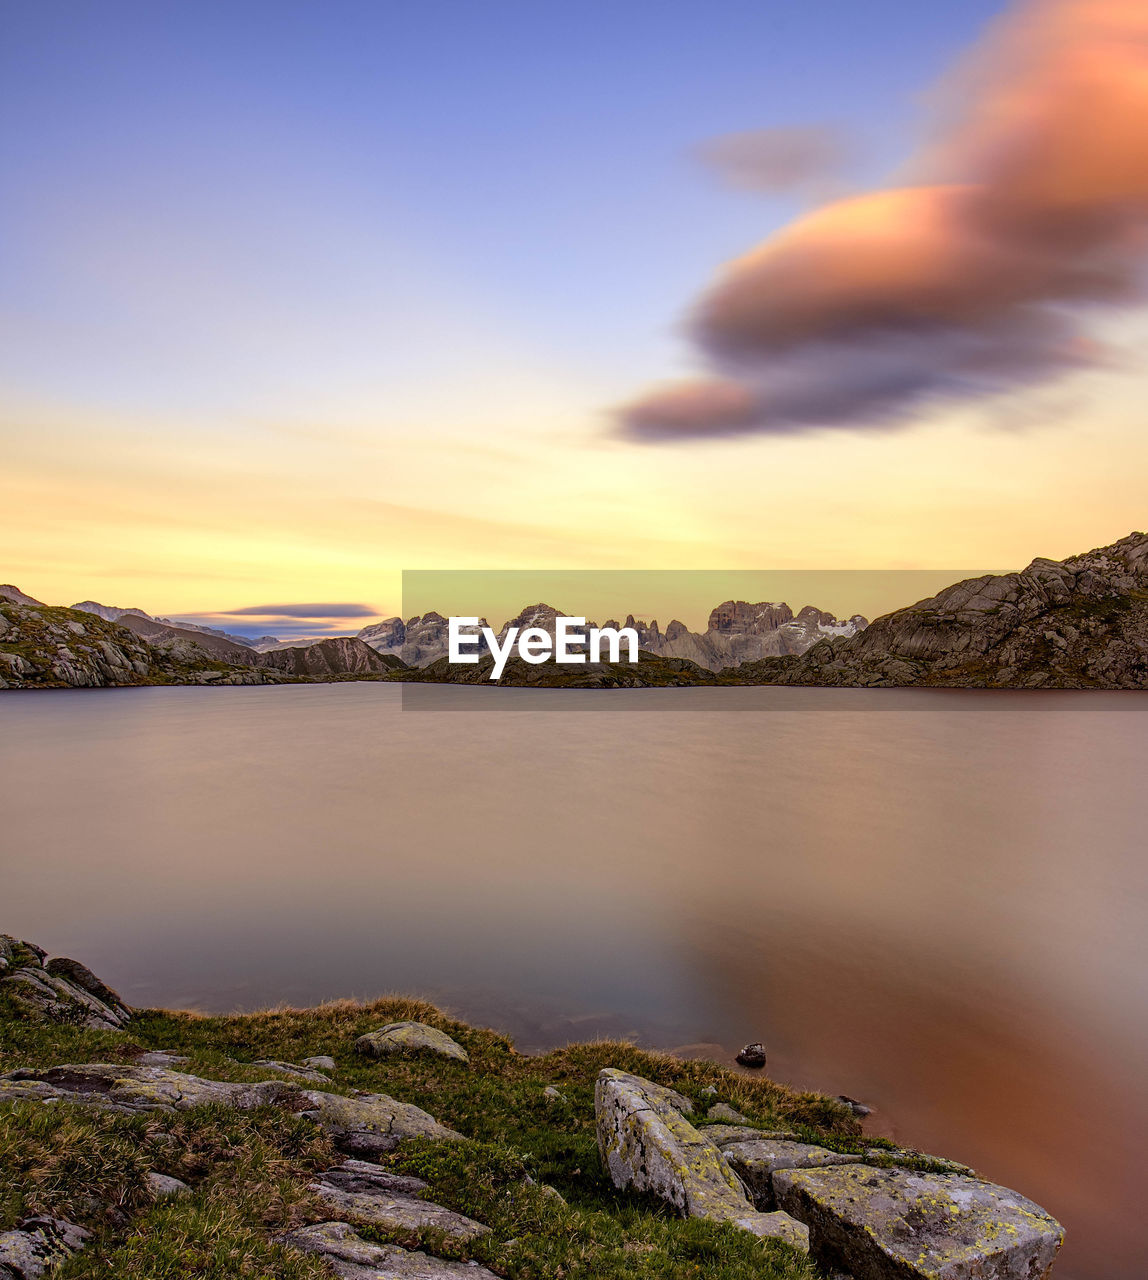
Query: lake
{"x": 935, "y": 901}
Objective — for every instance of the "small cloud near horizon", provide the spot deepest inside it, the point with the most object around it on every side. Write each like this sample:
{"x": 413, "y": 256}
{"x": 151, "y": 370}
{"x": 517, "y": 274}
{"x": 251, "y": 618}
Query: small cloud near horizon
{"x": 1023, "y": 216}
{"x": 286, "y": 621}
{"x": 301, "y": 611}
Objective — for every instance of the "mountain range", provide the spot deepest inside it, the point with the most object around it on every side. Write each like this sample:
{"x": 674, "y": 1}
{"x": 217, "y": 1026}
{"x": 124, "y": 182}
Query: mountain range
{"x": 1075, "y": 623}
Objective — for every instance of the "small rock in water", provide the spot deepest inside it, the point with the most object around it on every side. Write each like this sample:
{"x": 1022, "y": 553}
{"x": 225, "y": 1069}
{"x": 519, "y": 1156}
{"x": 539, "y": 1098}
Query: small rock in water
{"x": 753, "y": 1055}
{"x": 858, "y": 1108}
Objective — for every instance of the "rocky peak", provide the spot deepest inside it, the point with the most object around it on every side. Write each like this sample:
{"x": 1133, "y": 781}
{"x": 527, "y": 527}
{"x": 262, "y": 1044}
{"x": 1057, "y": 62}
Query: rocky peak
{"x": 741, "y": 618}
{"x": 9, "y": 592}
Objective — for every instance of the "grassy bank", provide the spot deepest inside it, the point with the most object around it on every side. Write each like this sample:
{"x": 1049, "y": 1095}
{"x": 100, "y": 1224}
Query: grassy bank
{"x": 249, "y": 1171}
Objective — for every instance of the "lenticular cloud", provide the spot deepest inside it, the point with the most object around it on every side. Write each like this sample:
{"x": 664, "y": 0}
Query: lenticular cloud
{"x": 1025, "y": 213}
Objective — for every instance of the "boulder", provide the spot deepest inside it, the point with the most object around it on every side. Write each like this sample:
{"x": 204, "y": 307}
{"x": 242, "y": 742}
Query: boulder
{"x": 896, "y": 1224}
{"x": 162, "y": 1185}
{"x": 723, "y": 1113}
{"x": 353, "y": 1258}
{"x": 371, "y": 1123}
{"x": 410, "y": 1037}
{"x": 756, "y": 1161}
{"x": 37, "y": 1246}
{"x": 646, "y": 1143}
{"x": 320, "y": 1063}
{"x": 396, "y": 1211}
{"x": 753, "y": 1055}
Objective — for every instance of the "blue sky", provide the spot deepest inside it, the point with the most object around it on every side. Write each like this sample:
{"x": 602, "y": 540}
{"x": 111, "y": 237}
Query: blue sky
{"x": 318, "y": 169}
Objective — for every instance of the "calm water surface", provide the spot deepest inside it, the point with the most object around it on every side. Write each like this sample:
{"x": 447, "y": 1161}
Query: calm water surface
{"x": 936, "y": 902}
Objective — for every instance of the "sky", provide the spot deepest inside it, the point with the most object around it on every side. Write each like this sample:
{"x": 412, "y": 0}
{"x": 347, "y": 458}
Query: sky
{"x": 295, "y": 297}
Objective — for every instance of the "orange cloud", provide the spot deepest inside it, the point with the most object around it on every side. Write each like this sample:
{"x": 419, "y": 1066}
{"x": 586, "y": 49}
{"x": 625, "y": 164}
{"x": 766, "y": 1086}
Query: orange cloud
{"x": 1025, "y": 212}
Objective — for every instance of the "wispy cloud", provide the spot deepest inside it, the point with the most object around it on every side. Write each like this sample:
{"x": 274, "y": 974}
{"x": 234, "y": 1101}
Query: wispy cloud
{"x": 1024, "y": 214}
{"x": 302, "y": 611}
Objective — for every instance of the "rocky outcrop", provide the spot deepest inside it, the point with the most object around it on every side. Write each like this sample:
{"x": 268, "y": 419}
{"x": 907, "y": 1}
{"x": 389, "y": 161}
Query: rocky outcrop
{"x": 335, "y": 656}
{"x": 365, "y": 1123}
{"x": 875, "y": 1223}
{"x": 896, "y": 1224}
{"x": 386, "y": 636}
{"x": 59, "y": 990}
{"x": 132, "y": 1089}
{"x": 37, "y": 1246}
{"x": 410, "y": 1037}
{"x": 372, "y": 1123}
{"x": 1078, "y": 623}
{"x": 647, "y": 1144}
{"x": 174, "y": 639}
{"x": 353, "y": 1258}
{"x": 46, "y": 647}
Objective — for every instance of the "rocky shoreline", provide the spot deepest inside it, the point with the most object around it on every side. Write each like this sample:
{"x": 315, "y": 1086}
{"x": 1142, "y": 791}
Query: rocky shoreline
{"x": 765, "y": 1174}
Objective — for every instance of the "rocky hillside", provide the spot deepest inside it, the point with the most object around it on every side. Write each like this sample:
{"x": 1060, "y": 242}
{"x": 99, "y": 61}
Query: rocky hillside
{"x": 42, "y": 646}
{"x": 176, "y": 640}
{"x": 1080, "y": 623}
{"x": 339, "y": 655}
{"x": 385, "y": 1140}
{"x": 46, "y": 647}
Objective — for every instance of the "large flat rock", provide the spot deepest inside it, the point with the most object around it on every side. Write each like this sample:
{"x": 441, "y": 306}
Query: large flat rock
{"x": 371, "y": 1123}
{"x": 397, "y": 1211}
{"x": 364, "y": 1124}
{"x": 131, "y": 1088}
{"x": 896, "y": 1224}
{"x": 647, "y": 1144}
{"x": 353, "y": 1258}
{"x": 756, "y": 1162}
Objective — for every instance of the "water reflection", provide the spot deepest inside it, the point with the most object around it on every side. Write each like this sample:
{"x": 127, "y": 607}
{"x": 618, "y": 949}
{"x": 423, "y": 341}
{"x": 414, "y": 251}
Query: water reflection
{"x": 939, "y": 908}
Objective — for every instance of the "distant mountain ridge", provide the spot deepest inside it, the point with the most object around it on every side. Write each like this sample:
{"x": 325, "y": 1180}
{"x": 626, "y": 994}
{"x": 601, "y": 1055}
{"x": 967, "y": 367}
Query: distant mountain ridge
{"x": 112, "y": 613}
{"x": 737, "y": 632}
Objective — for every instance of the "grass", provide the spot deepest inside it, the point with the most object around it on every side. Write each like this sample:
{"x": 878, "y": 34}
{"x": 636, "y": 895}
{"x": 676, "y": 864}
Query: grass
{"x": 249, "y": 1171}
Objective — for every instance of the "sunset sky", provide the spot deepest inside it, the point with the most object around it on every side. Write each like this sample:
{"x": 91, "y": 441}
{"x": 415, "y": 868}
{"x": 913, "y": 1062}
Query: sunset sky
{"x": 294, "y": 297}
